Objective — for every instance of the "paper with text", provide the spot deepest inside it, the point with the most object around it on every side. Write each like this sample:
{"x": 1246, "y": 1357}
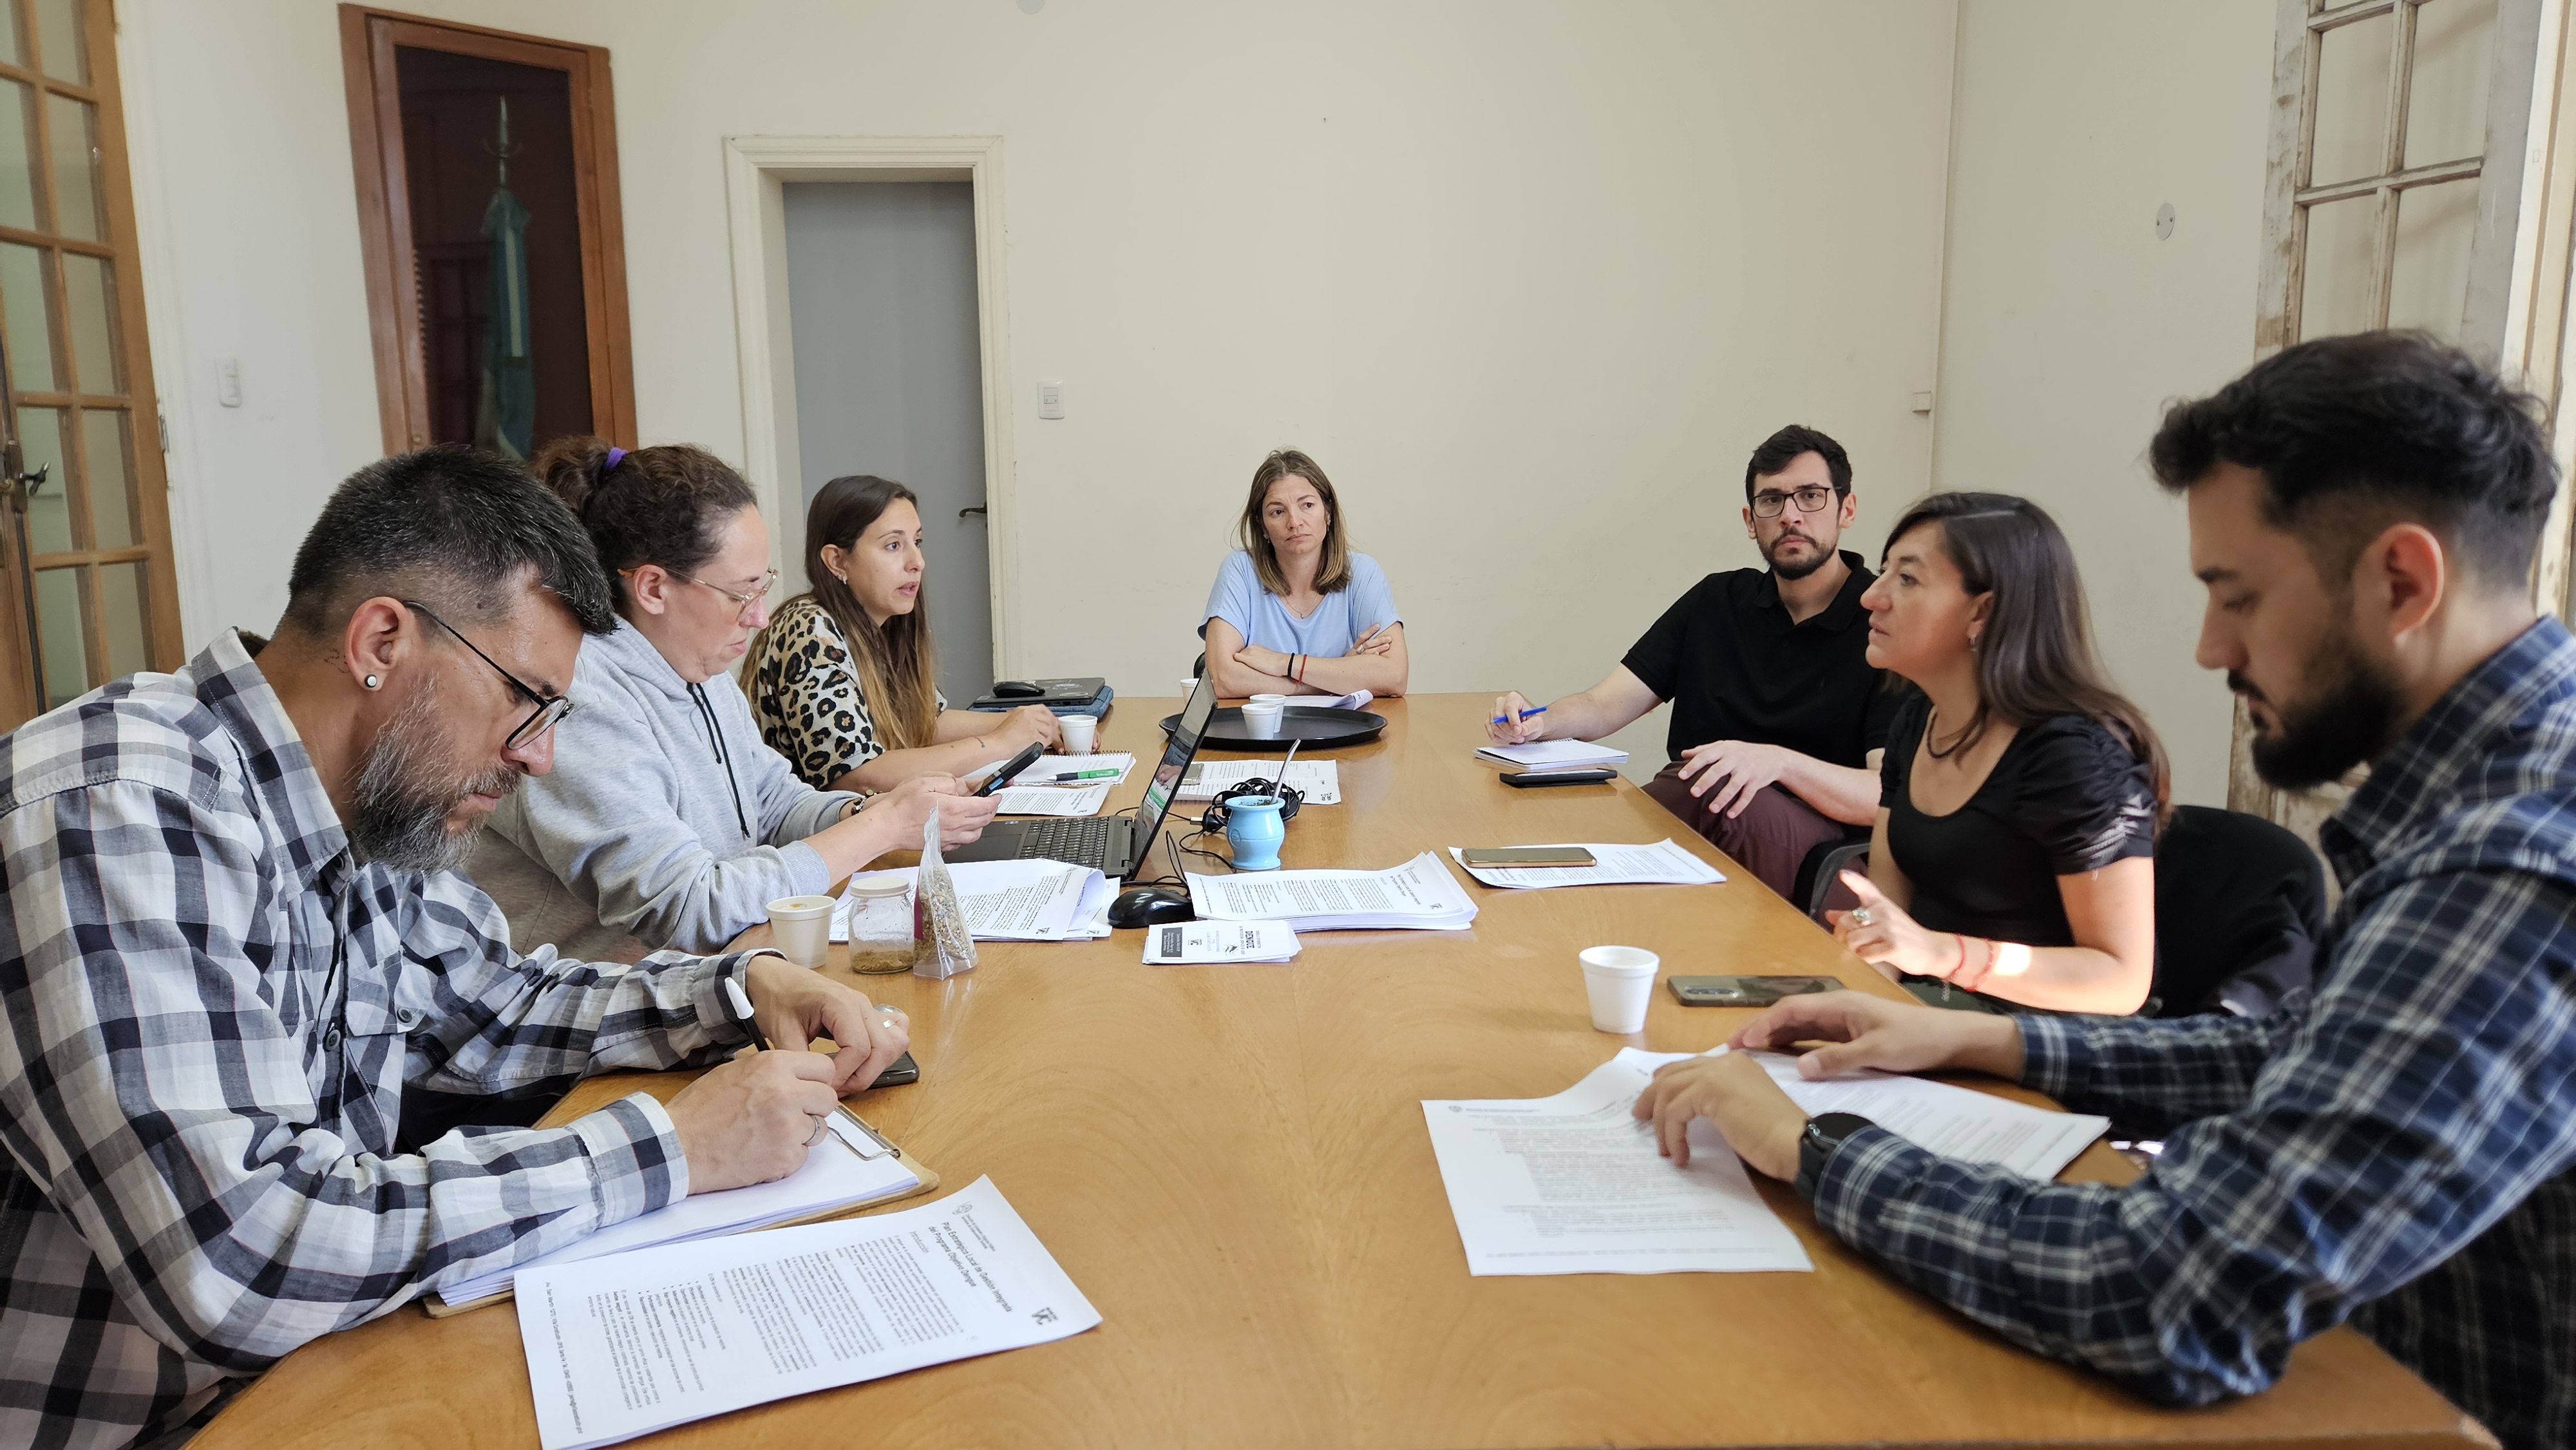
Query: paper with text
{"x": 1661, "y": 864}
{"x": 1318, "y": 781}
{"x": 1420, "y": 894}
{"x": 1572, "y": 1184}
{"x": 1047, "y": 767}
{"x": 1050, "y": 800}
{"x": 1555, "y": 754}
{"x": 1190, "y": 943}
{"x": 1031, "y": 900}
{"x": 623, "y": 1346}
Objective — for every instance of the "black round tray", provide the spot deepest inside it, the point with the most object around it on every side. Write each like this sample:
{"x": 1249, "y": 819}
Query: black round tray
{"x": 1319, "y": 727}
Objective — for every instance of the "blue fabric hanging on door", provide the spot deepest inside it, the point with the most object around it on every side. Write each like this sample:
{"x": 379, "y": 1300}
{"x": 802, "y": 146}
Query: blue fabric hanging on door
{"x": 509, "y": 404}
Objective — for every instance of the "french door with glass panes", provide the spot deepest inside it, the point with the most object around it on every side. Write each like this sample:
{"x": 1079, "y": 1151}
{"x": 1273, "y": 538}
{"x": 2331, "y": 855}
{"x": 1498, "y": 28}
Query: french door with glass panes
{"x": 86, "y": 586}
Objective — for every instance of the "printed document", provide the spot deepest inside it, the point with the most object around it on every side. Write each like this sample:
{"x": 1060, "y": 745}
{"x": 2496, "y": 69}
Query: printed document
{"x": 1197, "y": 942}
{"x": 1954, "y": 1122}
{"x": 1051, "y": 800}
{"x": 1661, "y": 864}
{"x": 1031, "y": 900}
{"x": 1318, "y": 781}
{"x": 846, "y": 1168}
{"x": 1572, "y": 1184}
{"x": 1420, "y": 894}
{"x": 626, "y": 1345}
{"x": 1048, "y": 767}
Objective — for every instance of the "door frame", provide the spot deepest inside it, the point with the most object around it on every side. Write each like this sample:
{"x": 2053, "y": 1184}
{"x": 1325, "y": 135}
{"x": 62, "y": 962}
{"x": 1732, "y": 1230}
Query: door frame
{"x": 757, "y": 169}
{"x": 367, "y": 40}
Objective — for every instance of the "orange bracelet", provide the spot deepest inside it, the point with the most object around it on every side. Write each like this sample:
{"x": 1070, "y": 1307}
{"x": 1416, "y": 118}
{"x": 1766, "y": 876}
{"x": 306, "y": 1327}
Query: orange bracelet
{"x": 1988, "y": 970}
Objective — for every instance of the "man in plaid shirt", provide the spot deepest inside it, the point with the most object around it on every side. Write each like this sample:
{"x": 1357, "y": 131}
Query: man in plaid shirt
{"x": 2393, "y": 1147}
{"x": 231, "y": 939}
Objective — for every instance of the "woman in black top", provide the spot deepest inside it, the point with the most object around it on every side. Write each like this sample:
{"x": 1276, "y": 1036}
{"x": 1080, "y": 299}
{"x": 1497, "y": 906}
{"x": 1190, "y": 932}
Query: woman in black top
{"x": 2014, "y": 854}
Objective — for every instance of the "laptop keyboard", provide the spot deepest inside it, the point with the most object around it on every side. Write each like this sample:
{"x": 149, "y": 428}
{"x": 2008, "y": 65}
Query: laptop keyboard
{"x": 1082, "y": 840}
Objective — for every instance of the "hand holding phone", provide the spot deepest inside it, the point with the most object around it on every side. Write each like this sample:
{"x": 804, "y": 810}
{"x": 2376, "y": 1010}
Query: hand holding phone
{"x": 1012, "y": 767}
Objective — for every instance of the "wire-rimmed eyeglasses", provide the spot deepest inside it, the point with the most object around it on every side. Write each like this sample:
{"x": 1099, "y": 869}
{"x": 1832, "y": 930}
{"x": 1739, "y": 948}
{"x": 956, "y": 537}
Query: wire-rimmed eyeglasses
{"x": 742, "y": 602}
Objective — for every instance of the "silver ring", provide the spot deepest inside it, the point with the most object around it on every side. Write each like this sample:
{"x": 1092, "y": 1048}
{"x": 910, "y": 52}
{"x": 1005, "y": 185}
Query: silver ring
{"x": 822, "y": 1125}
{"x": 1861, "y": 914}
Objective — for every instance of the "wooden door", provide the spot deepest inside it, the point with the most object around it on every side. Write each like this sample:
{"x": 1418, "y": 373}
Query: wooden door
{"x": 87, "y": 591}
{"x": 421, "y": 295}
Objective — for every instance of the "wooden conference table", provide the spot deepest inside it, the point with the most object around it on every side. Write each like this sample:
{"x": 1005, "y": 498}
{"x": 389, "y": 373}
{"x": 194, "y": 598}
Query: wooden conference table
{"x": 1231, "y": 1164}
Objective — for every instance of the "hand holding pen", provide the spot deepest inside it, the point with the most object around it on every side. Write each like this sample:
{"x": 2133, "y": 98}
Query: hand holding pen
{"x": 1511, "y": 723}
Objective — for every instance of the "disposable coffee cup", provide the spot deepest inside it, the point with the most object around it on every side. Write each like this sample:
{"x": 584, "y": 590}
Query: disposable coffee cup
{"x": 802, "y": 927}
{"x": 1081, "y": 732}
{"x": 1261, "y": 715}
{"x": 1620, "y": 981}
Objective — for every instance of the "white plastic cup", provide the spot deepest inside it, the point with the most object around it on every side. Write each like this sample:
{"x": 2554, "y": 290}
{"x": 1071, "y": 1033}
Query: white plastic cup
{"x": 802, "y": 928}
{"x": 1620, "y": 981}
{"x": 1261, "y": 715}
{"x": 1081, "y": 733}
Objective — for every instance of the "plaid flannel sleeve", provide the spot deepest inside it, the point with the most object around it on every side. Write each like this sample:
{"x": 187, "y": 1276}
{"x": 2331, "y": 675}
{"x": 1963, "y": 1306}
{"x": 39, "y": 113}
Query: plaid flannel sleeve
{"x": 157, "y": 1085}
{"x": 2403, "y": 1116}
{"x": 2149, "y": 1073}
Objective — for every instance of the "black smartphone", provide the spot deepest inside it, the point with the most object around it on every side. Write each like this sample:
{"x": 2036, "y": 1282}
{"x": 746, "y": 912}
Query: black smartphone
{"x": 1591, "y": 776}
{"x": 1745, "y": 991}
{"x": 898, "y": 1072}
{"x": 1011, "y": 767}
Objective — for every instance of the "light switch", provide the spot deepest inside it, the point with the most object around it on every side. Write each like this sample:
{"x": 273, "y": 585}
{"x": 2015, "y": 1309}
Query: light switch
{"x": 228, "y": 381}
{"x": 1051, "y": 400}
{"x": 1921, "y": 402}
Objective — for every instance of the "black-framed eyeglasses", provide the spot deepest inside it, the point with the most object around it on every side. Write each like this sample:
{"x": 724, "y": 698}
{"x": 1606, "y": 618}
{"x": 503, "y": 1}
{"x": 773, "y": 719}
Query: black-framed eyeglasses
{"x": 742, "y": 602}
{"x": 1768, "y": 503}
{"x": 551, "y": 709}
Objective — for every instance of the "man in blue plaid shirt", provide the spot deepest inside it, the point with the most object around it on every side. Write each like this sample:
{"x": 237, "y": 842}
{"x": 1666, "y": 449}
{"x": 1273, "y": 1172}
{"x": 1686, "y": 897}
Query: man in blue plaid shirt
{"x": 230, "y": 940}
{"x": 2393, "y": 1146}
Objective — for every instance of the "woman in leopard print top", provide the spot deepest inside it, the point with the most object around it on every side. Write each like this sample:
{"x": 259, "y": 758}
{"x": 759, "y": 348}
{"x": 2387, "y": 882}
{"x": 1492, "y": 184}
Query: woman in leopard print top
{"x": 843, "y": 681}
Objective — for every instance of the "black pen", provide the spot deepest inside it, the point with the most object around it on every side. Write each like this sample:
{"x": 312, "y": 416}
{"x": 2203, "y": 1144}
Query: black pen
{"x": 760, "y": 1041}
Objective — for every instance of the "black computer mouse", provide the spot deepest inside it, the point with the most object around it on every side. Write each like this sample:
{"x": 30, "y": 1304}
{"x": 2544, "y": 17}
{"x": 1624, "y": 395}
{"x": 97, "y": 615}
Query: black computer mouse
{"x": 1150, "y": 906}
{"x": 1017, "y": 690}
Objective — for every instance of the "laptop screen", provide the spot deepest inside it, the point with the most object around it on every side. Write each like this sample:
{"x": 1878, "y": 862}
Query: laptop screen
{"x": 1175, "y": 764}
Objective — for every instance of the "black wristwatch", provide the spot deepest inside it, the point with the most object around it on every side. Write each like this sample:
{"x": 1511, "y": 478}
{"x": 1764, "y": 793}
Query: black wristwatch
{"x": 1825, "y": 1132}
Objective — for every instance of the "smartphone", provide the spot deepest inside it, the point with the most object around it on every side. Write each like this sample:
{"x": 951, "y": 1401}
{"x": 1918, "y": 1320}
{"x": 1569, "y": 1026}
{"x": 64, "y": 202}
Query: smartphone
{"x": 1012, "y": 767}
{"x": 1593, "y": 775}
{"x": 898, "y": 1072}
{"x": 1526, "y": 856}
{"x": 1745, "y": 991}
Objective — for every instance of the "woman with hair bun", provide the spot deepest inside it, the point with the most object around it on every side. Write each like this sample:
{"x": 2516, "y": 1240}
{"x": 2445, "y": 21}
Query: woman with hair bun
{"x": 665, "y": 821}
{"x": 846, "y": 680}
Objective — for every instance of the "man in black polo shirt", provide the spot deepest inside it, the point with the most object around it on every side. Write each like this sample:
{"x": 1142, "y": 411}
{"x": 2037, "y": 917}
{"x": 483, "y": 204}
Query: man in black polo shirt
{"x": 1777, "y": 716}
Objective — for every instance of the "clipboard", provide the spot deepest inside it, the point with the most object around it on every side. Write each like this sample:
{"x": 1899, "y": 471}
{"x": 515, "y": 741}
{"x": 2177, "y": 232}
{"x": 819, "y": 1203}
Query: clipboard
{"x": 662, "y": 1086}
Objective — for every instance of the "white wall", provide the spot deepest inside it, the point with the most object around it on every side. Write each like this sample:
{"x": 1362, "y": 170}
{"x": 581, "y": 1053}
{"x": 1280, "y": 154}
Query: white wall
{"x": 1530, "y": 280}
{"x": 2067, "y": 325}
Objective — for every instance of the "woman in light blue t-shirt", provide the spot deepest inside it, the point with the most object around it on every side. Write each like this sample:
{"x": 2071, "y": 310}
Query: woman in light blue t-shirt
{"x": 1294, "y": 610}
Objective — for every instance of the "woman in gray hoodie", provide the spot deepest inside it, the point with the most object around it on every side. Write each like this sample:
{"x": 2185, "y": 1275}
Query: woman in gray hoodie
{"x": 666, "y": 821}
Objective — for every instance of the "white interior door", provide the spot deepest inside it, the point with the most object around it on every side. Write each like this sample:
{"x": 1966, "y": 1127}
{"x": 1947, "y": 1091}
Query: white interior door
{"x": 881, "y": 305}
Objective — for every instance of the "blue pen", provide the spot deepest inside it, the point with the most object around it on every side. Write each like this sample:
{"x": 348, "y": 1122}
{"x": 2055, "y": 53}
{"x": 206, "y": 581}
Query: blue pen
{"x": 1525, "y": 714}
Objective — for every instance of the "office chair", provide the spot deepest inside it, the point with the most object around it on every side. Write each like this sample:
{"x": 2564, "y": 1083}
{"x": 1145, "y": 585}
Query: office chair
{"x": 2240, "y": 910}
{"x": 1826, "y": 860}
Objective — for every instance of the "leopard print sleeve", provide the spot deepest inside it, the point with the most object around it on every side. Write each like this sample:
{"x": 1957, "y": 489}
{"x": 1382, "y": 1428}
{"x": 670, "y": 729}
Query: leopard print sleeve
{"x": 807, "y": 697}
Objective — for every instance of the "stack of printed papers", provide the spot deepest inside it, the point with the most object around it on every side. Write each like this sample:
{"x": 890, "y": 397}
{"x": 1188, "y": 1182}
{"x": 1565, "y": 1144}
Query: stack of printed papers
{"x": 1318, "y": 782}
{"x": 1037, "y": 900}
{"x": 1048, "y": 767}
{"x": 1555, "y": 754}
{"x": 1661, "y": 864}
{"x": 1420, "y": 895}
{"x": 846, "y": 1168}
{"x": 1204, "y": 942}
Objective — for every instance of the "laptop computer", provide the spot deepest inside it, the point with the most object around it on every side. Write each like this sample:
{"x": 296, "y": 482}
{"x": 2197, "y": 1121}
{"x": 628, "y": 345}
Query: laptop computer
{"x": 1112, "y": 845}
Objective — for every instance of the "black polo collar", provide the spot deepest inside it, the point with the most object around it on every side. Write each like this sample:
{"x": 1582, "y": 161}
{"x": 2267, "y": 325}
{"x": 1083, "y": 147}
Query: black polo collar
{"x": 1844, "y": 611}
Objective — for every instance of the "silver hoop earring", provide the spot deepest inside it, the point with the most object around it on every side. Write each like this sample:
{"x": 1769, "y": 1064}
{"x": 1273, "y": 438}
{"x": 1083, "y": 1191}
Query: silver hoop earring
{"x": 372, "y": 682}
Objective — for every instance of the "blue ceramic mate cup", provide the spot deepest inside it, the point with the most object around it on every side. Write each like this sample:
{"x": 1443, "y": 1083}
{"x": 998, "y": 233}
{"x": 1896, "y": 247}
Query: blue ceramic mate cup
{"x": 1253, "y": 831}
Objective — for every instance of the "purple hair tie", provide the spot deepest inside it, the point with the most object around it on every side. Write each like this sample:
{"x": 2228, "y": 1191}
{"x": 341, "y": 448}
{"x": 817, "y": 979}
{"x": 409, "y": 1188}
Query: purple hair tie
{"x": 616, "y": 456}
